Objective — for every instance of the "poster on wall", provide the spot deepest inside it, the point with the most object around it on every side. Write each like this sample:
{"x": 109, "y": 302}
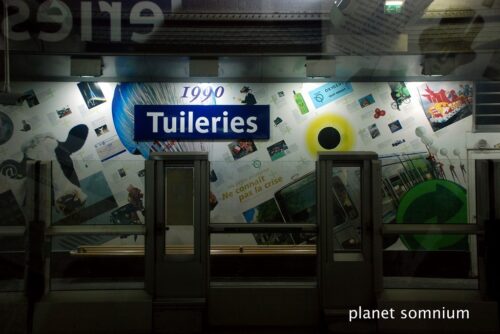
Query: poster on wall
{"x": 253, "y": 180}
{"x": 400, "y": 95}
{"x": 445, "y": 103}
{"x": 91, "y": 93}
{"x": 109, "y": 148}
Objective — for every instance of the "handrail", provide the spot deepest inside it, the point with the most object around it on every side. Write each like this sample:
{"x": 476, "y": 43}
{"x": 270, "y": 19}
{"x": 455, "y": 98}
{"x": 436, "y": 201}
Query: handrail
{"x": 12, "y": 231}
{"x": 96, "y": 229}
{"x": 217, "y": 250}
{"x": 431, "y": 229}
{"x": 262, "y": 228}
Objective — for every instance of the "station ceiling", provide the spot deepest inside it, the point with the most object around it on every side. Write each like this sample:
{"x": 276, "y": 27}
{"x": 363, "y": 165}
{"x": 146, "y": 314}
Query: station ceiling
{"x": 263, "y": 39}
{"x": 277, "y": 27}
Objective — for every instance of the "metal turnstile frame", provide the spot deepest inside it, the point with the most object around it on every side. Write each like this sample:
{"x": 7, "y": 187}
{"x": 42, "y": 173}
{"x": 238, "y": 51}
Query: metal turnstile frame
{"x": 356, "y": 281}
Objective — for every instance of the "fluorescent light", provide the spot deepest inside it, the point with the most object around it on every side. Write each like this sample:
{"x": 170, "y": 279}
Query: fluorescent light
{"x": 436, "y": 65}
{"x": 341, "y": 4}
{"x": 337, "y": 2}
{"x": 86, "y": 66}
{"x": 320, "y": 68}
{"x": 204, "y": 67}
{"x": 394, "y": 2}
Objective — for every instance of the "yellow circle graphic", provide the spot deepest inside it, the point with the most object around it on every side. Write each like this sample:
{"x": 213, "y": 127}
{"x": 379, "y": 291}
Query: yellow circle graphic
{"x": 329, "y": 132}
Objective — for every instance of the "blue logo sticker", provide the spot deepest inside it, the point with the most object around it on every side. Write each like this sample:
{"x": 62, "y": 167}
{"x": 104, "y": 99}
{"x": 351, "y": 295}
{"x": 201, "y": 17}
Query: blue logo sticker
{"x": 185, "y": 122}
{"x": 329, "y": 92}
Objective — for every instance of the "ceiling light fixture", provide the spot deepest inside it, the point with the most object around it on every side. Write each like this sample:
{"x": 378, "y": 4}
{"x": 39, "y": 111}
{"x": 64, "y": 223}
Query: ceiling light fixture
{"x": 86, "y": 67}
{"x": 320, "y": 67}
{"x": 203, "y": 67}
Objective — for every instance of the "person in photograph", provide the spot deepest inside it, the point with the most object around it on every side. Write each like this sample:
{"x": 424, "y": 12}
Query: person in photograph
{"x": 249, "y": 97}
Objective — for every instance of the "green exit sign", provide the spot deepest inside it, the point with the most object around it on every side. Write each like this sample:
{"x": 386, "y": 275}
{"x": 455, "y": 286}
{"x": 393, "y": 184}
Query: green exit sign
{"x": 393, "y": 7}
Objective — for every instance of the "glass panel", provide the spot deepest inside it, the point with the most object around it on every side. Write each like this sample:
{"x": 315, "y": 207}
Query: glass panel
{"x": 13, "y": 212}
{"x": 264, "y": 192}
{"x": 297, "y": 204}
{"x": 12, "y": 189}
{"x": 10, "y": 209}
{"x": 89, "y": 262}
{"x": 179, "y": 210}
{"x": 84, "y": 193}
{"x": 248, "y": 188}
{"x": 346, "y": 190}
{"x": 252, "y": 256}
{"x": 12, "y": 259}
{"x": 298, "y": 200}
{"x": 430, "y": 261}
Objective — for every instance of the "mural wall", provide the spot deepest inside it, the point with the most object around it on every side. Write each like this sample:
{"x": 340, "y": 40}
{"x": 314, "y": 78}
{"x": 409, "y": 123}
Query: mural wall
{"x": 87, "y": 130}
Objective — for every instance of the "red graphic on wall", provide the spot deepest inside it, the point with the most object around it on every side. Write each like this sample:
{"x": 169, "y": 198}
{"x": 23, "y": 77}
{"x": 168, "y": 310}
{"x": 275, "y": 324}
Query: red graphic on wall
{"x": 446, "y": 103}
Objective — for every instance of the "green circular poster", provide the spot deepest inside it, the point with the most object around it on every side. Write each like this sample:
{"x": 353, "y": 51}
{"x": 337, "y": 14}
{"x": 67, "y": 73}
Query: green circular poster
{"x": 434, "y": 202}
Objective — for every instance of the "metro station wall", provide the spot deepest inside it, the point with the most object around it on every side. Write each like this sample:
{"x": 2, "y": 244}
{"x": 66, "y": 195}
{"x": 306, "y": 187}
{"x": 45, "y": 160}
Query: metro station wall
{"x": 99, "y": 175}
